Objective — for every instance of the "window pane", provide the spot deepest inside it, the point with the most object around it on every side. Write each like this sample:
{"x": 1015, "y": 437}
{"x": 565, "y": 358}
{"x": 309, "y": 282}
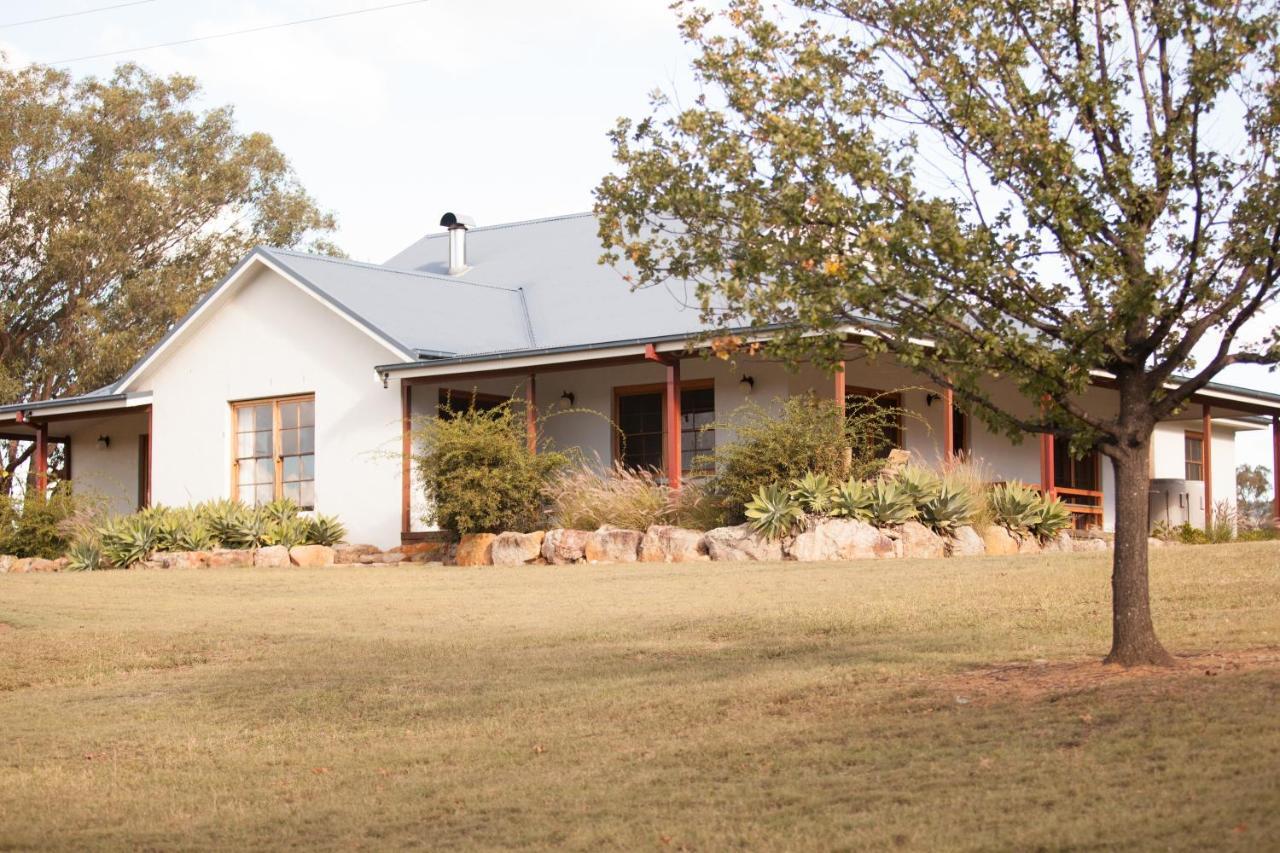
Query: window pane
{"x": 308, "y": 499}
{"x": 265, "y": 493}
{"x": 262, "y": 417}
{"x": 288, "y": 415}
{"x": 290, "y": 468}
{"x": 262, "y": 443}
{"x": 264, "y": 471}
{"x": 244, "y": 445}
{"x": 246, "y": 493}
{"x": 244, "y": 419}
{"x": 288, "y": 441}
{"x": 307, "y": 439}
{"x": 293, "y": 491}
{"x": 308, "y": 467}
{"x": 307, "y": 413}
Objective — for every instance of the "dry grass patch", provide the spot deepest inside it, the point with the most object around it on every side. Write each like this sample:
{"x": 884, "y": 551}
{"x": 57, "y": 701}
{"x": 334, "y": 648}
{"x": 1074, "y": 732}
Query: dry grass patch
{"x": 760, "y": 706}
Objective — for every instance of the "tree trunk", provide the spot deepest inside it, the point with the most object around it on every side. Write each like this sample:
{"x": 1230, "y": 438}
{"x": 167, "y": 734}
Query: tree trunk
{"x": 1133, "y": 636}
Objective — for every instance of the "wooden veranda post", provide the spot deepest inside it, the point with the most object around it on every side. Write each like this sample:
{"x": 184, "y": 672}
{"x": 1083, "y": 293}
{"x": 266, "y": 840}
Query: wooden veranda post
{"x": 406, "y": 453}
{"x": 41, "y": 458}
{"x": 671, "y": 410}
{"x": 1275, "y": 462}
{"x": 949, "y": 424}
{"x": 531, "y": 413}
{"x": 1206, "y": 453}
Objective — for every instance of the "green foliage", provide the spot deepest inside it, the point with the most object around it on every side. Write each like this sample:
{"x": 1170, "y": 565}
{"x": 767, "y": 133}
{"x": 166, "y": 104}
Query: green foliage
{"x": 947, "y": 508}
{"x": 585, "y": 497}
{"x": 853, "y": 499}
{"x": 325, "y": 530}
{"x": 280, "y": 510}
{"x": 36, "y": 526}
{"x": 116, "y": 182}
{"x": 84, "y": 556}
{"x": 918, "y": 482}
{"x": 479, "y": 473}
{"x": 285, "y": 531}
{"x": 804, "y": 435}
{"x": 814, "y": 492}
{"x": 890, "y": 504}
{"x": 1051, "y": 517}
{"x": 773, "y": 513}
{"x": 1015, "y": 505}
{"x": 129, "y": 539}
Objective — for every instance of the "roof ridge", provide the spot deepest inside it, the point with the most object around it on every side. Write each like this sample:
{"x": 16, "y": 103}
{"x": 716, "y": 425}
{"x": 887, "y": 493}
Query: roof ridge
{"x": 516, "y": 224}
{"x": 380, "y": 268}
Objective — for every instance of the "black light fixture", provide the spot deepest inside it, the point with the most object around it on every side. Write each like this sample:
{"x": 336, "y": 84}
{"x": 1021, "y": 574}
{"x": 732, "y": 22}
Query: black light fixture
{"x": 104, "y": 441}
{"x": 568, "y": 395}
{"x": 930, "y": 397}
{"x": 749, "y": 381}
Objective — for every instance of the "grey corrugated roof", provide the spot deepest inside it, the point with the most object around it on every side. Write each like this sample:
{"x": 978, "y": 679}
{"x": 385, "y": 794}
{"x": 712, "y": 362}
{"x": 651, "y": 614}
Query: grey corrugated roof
{"x": 572, "y": 299}
{"x": 419, "y": 311}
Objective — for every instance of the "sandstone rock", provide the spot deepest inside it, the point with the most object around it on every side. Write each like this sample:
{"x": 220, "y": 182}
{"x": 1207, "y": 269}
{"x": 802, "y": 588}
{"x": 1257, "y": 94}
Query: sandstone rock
{"x": 182, "y": 559}
{"x": 1155, "y": 542}
{"x": 561, "y": 547}
{"x": 1088, "y": 544}
{"x": 1028, "y": 544}
{"x": 1059, "y": 543}
{"x": 310, "y": 556}
{"x": 840, "y": 539}
{"x": 517, "y": 549}
{"x": 999, "y": 541}
{"x": 612, "y": 545}
{"x": 436, "y": 548}
{"x": 345, "y": 553}
{"x": 20, "y": 566}
{"x": 225, "y": 558}
{"x": 894, "y": 463}
{"x": 6, "y": 560}
{"x": 665, "y": 544}
{"x": 39, "y": 564}
{"x": 740, "y": 543}
{"x": 965, "y": 542}
{"x": 271, "y": 557}
{"x": 920, "y": 542}
{"x": 390, "y": 557}
{"x": 475, "y": 549}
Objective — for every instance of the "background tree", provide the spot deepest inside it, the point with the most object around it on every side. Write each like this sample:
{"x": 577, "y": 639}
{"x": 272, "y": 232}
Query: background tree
{"x": 120, "y": 204}
{"x": 1253, "y": 491}
{"x": 1041, "y": 189}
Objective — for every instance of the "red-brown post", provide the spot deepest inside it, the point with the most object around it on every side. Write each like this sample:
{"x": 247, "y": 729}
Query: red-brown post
{"x": 1207, "y": 454}
{"x": 531, "y": 413}
{"x": 839, "y": 388}
{"x": 41, "y": 458}
{"x": 1275, "y": 460}
{"x": 406, "y": 453}
{"x": 1046, "y": 480}
{"x": 673, "y": 423}
{"x": 949, "y": 424}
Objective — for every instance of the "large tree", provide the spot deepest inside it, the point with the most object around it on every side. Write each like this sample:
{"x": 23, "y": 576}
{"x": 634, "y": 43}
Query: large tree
{"x": 121, "y": 202}
{"x": 1054, "y": 192}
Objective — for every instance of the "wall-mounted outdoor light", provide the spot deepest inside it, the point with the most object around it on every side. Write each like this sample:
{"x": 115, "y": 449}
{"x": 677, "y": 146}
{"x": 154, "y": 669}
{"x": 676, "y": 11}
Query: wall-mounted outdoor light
{"x": 104, "y": 441}
{"x": 568, "y": 395}
{"x": 930, "y": 397}
{"x": 749, "y": 381}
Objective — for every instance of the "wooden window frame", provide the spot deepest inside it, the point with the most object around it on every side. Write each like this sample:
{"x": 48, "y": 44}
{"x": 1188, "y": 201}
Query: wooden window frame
{"x": 1187, "y": 436}
{"x": 620, "y": 391}
{"x": 447, "y": 394}
{"x": 277, "y": 461}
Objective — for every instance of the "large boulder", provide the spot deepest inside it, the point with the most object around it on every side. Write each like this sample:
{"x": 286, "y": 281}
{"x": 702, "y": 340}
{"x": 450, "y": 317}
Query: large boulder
{"x": 1059, "y": 543}
{"x": 223, "y": 558}
{"x": 740, "y": 543}
{"x": 840, "y": 539}
{"x": 475, "y": 549}
{"x": 919, "y": 541}
{"x": 20, "y": 566}
{"x": 310, "y": 556}
{"x": 388, "y": 557}
{"x": 563, "y": 546}
{"x": 1088, "y": 543}
{"x": 965, "y": 542}
{"x": 999, "y": 541}
{"x": 271, "y": 557}
{"x": 613, "y": 545}
{"x": 39, "y": 564}
{"x": 6, "y": 560}
{"x": 665, "y": 544}
{"x": 428, "y": 549}
{"x": 182, "y": 559}
{"x": 1028, "y": 544}
{"x": 517, "y": 549}
{"x": 345, "y": 554}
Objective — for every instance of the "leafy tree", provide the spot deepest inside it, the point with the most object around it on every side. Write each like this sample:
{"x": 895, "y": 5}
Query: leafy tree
{"x": 120, "y": 204}
{"x": 1253, "y": 491}
{"x": 1033, "y": 190}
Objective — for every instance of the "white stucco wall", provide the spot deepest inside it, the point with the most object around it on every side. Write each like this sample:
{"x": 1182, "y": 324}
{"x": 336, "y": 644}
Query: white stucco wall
{"x": 270, "y": 339}
{"x": 111, "y": 474}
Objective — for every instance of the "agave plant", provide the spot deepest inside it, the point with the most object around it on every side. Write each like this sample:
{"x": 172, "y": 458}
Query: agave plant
{"x": 1051, "y": 517}
{"x": 192, "y": 534}
{"x": 813, "y": 492}
{"x": 280, "y": 510}
{"x": 287, "y": 531}
{"x": 773, "y": 513}
{"x": 890, "y": 505}
{"x": 249, "y": 530}
{"x": 947, "y": 509}
{"x": 224, "y": 518}
{"x": 918, "y": 483}
{"x": 325, "y": 530}
{"x": 84, "y": 556}
{"x": 852, "y": 500}
{"x": 129, "y": 540}
{"x": 1015, "y": 505}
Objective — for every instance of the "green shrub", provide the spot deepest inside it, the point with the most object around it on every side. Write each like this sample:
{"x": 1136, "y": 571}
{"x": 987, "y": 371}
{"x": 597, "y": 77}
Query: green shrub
{"x": 813, "y": 492}
{"x": 43, "y": 526}
{"x": 890, "y": 504}
{"x": 1015, "y": 506}
{"x": 853, "y": 499}
{"x": 479, "y": 474}
{"x": 946, "y": 509}
{"x": 918, "y": 483}
{"x": 84, "y": 556}
{"x": 1189, "y": 535}
{"x": 773, "y": 513}
{"x": 325, "y": 530}
{"x": 1051, "y": 517}
{"x": 805, "y": 435}
{"x": 288, "y": 532}
{"x": 129, "y": 539}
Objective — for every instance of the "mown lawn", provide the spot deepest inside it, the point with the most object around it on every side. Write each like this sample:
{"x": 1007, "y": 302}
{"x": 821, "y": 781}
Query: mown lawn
{"x": 911, "y": 705}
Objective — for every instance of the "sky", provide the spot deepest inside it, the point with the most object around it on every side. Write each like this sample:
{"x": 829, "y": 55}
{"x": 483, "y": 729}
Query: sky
{"x": 494, "y": 108}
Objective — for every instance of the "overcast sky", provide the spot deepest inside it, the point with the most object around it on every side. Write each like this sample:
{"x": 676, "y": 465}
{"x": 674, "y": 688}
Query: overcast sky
{"x": 495, "y": 108}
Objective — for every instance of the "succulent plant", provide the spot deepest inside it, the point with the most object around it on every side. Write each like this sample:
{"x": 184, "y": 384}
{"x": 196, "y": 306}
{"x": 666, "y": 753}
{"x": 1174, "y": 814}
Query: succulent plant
{"x": 129, "y": 540}
{"x": 1015, "y": 506}
{"x": 947, "y": 509}
{"x": 918, "y": 483}
{"x": 84, "y": 556}
{"x": 773, "y": 513}
{"x": 325, "y": 530}
{"x": 853, "y": 499}
{"x": 890, "y": 505}
{"x": 1051, "y": 517}
{"x": 813, "y": 492}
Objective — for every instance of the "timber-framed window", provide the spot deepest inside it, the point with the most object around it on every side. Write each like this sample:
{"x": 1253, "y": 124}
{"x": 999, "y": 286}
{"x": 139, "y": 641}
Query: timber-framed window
{"x": 888, "y": 420}
{"x": 1194, "y": 444}
{"x": 640, "y": 414}
{"x": 274, "y": 450}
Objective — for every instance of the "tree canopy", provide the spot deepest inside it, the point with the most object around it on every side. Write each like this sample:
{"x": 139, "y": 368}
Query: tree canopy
{"x": 1049, "y": 192}
{"x": 121, "y": 203}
